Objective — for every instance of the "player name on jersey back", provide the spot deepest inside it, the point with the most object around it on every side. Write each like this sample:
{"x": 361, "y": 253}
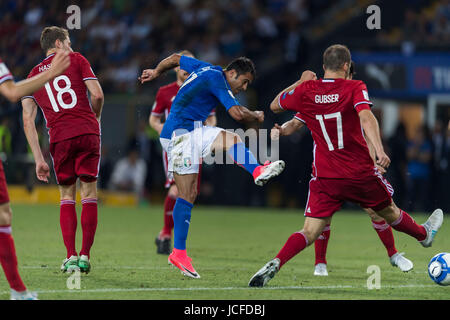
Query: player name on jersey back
{"x": 327, "y": 98}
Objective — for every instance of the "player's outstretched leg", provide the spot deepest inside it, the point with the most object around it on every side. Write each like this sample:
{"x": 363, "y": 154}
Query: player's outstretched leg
{"x": 294, "y": 245}
{"x": 243, "y": 157}
{"x": 384, "y": 232}
{"x": 320, "y": 249}
{"x": 403, "y": 222}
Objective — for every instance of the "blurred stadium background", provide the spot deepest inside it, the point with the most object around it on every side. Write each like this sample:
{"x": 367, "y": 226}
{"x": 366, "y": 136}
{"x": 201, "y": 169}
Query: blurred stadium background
{"x": 405, "y": 64}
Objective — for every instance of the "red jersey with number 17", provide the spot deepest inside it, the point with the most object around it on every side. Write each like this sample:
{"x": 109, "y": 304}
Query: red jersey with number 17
{"x": 329, "y": 108}
{"x": 64, "y": 100}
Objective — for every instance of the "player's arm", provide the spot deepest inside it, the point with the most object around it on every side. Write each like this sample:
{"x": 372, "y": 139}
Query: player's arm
{"x": 306, "y": 76}
{"x": 286, "y": 129}
{"x": 166, "y": 64}
{"x": 97, "y": 97}
{"x": 372, "y": 131}
{"x": 13, "y": 91}
{"x": 374, "y": 156}
{"x": 29, "y": 116}
{"x": 243, "y": 114}
{"x": 156, "y": 123}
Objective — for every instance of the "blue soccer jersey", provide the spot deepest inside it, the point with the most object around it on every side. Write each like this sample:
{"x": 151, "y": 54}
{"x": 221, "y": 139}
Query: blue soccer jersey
{"x": 204, "y": 89}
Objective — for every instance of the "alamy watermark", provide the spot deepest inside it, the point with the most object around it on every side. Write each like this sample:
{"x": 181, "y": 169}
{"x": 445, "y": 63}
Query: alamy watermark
{"x": 374, "y": 20}
{"x": 74, "y": 20}
{"x": 74, "y": 281}
{"x": 374, "y": 280}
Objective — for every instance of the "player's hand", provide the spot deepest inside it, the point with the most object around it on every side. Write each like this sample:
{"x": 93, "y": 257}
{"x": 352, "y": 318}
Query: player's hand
{"x": 60, "y": 62}
{"x": 308, "y": 75}
{"x": 148, "y": 75}
{"x": 42, "y": 171}
{"x": 383, "y": 160}
{"x": 275, "y": 133}
{"x": 259, "y": 116}
{"x": 381, "y": 169}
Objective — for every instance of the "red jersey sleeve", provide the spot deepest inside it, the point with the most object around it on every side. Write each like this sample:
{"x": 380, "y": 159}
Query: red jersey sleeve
{"x": 292, "y": 100}
{"x": 361, "y": 99}
{"x": 298, "y": 116}
{"x": 5, "y": 74}
{"x": 160, "y": 105}
{"x": 86, "y": 70}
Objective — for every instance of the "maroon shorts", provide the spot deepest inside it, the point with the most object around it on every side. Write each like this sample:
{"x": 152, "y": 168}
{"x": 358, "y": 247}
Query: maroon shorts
{"x": 78, "y": 157}
{"x": 326, "y": 196}
{"x": 4, "y": 197}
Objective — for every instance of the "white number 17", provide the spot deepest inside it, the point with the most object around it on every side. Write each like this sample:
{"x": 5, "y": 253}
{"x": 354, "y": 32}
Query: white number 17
{"x": 338, "y": 117}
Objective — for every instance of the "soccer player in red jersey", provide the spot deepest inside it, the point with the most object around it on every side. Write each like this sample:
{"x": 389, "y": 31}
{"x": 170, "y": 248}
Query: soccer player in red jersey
{"x": 337, "y": 112}
{"x": 161, "y": 107}
{"x": 13, "y": 92}
{"x": 73, "y": 121}
{"x": 384, "y": 230}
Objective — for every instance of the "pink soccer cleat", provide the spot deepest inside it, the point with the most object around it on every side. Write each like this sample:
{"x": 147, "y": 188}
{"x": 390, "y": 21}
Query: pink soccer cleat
{"x": 264, "y": 173}
{"x": 179, "y": 259}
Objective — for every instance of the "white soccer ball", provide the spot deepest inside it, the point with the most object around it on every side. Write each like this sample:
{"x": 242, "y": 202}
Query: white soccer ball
{"x": 439, "y": 268}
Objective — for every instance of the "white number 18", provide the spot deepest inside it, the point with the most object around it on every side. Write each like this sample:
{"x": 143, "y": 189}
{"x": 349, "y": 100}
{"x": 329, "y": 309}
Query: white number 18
{"x": 60, "y": 91}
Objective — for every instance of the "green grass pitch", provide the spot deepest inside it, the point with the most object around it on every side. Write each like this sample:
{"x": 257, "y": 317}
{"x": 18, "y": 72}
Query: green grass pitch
{"x": 228, "y": 245}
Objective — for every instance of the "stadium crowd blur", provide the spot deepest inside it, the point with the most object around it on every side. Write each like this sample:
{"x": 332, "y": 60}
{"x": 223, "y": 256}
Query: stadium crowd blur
{"x": 120, "y": 38}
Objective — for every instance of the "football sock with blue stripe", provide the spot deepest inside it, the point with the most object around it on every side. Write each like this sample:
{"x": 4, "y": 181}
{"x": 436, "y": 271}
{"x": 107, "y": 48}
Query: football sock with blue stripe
{"x": 181, "y": 220}
{"x": 243, "y": 157}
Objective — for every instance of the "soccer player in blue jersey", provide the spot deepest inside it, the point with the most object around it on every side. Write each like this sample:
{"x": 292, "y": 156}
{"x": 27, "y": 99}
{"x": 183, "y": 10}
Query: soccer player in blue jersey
{"x": 186, "y": 140}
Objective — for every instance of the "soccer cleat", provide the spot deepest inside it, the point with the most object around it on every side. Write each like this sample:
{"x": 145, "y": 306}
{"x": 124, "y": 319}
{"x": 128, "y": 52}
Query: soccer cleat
{"x": 23, "y": 295}
{"x": 84, "y": 264}
{"x": 163, "y": 245}
{"x": 265, "y": 273}
{"x": 264, "y": 173}
{"x": 70, "y": 265}
{"x": 398, "y": 260}
{"x": 432, "y": 226}
{"x": 183, "y": 262}
{"x": 320, "y": 269}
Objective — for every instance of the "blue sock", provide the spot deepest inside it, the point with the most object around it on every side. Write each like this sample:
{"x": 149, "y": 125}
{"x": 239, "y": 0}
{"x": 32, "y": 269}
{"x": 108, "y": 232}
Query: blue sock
{"x": 243, "y": 157}
{"x": 181, "y": 219}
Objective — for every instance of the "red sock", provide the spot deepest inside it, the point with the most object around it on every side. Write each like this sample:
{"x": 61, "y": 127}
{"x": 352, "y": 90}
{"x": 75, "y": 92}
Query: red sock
{"x": 68, "y": 222}
{"x": 169, "y": 204}
{"x": 8, "y": 259}
{"x": 405, "y": 223}
{"x": 89, "y": 216}
{"x": 384, "y": 232}
{"x": 320, "y": 245}
{"x": 296, "y": 243}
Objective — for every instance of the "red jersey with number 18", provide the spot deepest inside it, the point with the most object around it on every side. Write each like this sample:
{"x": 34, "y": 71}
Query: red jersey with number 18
{"x": 64, "y": 100}
{"x": 329, "y": 108}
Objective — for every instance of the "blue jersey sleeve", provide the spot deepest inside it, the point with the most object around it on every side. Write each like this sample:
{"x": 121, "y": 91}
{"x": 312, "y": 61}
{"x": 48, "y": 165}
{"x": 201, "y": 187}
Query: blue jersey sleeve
{"x": 189, "y": 64}
{"x": 221, "y": 90}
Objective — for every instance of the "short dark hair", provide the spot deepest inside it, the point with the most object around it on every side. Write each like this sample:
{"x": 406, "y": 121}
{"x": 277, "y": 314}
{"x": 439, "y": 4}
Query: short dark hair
{"x": 242, "y": 65}
{"x": 50, "y": 34}
{"x": 335, "y": 57}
